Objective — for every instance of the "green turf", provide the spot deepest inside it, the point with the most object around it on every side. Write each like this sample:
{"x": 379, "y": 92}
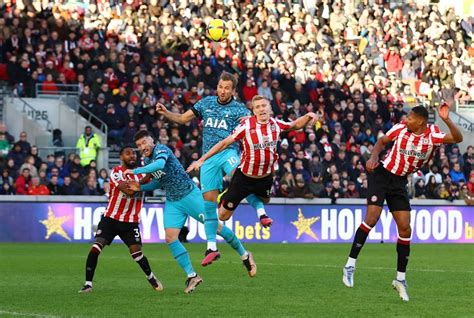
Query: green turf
{"x": 292, "y": 280}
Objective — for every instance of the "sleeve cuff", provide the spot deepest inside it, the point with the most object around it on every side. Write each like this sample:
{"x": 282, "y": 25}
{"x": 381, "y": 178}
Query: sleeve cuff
{"x": 194, "y": 110}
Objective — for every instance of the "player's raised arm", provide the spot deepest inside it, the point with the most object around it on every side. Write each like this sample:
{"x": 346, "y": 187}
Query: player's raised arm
{"x": 454, "y": 136}
{"x": 223, "y": 144}
{"x": 304, "y": 120}
{"x": 175, "y": 117}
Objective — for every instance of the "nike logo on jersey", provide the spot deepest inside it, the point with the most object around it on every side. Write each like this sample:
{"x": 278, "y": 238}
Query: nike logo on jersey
{"x": 216, "y": 123}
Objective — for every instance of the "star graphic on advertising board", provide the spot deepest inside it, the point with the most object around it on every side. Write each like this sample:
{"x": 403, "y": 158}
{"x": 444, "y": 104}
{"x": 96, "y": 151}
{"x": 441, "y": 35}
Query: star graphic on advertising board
{"x": 303, "y": 225}
{"x": 54, "y": 224}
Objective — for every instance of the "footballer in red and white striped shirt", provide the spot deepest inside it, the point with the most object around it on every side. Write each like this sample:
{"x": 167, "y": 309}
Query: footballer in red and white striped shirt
{"x": 121, "y": 219}
{"x": 259, "y": 135}
{"x": 259, "y": 142}
{"x": 123, "y": 207}
{"x": 414, "y": 144}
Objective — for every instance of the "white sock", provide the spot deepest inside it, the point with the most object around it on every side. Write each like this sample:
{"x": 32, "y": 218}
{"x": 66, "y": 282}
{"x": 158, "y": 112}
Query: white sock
{"x": 88, "y": 283}
{"x": 150, "y": 276}
{"x": 244, "y": 257}
{"x": 400, "y": 276}
{"x": 192, "y": 274}
{"x": 212, "y": 246}
{"x": 351, "y": 262}
{"x": 260, "y": 212}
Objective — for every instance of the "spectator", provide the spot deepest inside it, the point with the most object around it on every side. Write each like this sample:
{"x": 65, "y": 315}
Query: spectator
{"x": 420, "y": 191}
{"x": 22, "y": 183}
{"x": 8, "y": 136}
{"x": 36, "y": 188}
{"x": 442, "y": 192}
{"x": 90, "y": 187}
{"x": 4, "y": 146}
{"x": 316, "y": 185}
{"x": 30, "y": 164}
{"x": 88, "y": 144}
{"x": 351, "y": 191}
{"x": 470, "y": 183}
{"x": 456, "y": 174}
{"x": 6, "y": 189}
{"x": 35, "y": 153}
{"x": 53, "y": 186}
{"x": 16, "y": 154}
{"x": 69, "y": 187}
{"x": 433, "y": 172}
{"x": 102, "y": 180}
{"x": 5, "y": 178}
{"x": 24, "y": 144}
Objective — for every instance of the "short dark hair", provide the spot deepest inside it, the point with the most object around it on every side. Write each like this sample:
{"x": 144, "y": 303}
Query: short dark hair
{"x": 124, "y": 148}
{"x": 226, "y": 76}
{"x": 420, "y": 111}
{"x": 140, "y": 134}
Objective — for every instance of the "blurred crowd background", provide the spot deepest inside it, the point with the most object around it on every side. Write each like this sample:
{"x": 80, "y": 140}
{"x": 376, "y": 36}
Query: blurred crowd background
{"x": 357, "y": 63}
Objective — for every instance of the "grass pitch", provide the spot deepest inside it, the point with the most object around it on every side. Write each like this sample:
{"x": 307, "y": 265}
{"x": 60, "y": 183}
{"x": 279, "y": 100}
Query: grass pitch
{"x": 42, "y": 280}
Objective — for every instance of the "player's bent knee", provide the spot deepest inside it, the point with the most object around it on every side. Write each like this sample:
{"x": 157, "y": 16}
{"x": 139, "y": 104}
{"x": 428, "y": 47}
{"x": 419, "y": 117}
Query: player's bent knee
{"x": 224, "y": 216}
{"x": 210, "y": 196}
{"x": 265, "y": 200}
{"x": 169, "y": 238}
{"x": 404, "y": 232}
{"x": 96, "y": 248}
{"x": 137, "y": 256}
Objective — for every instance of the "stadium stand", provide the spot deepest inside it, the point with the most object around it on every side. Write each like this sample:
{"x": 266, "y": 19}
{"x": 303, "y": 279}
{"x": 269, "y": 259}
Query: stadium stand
{"x": 358, "y": 66}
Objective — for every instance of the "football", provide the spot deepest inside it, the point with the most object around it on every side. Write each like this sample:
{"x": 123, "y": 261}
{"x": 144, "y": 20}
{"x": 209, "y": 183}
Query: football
{"x": 217, "y": 30}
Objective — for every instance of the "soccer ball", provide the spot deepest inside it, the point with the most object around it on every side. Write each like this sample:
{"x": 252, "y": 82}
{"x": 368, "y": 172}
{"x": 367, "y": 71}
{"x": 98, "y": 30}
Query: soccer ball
{"x": 217, "y": 30}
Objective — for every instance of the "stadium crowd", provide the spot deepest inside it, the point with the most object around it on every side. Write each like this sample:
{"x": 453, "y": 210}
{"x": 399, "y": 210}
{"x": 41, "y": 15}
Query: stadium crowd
{"x": 354, "y": 64}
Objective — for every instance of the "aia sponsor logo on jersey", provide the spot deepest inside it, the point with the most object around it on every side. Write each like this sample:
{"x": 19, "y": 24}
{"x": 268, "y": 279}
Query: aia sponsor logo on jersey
{"x": 216, "y": 123}
{"x": 158, "y": 174}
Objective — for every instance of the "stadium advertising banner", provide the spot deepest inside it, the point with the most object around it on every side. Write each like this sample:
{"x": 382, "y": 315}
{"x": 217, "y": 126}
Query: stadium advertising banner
{"x": 75, "y": 222}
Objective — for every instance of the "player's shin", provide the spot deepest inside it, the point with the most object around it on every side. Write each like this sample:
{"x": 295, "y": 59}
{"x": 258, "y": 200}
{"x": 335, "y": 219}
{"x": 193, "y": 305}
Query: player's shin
{"x": 142, "y": 261}
{"x": 233, "y": 241}
{"x": 181, "y": 255}
{"x": 403, "y": 252}
{"x": 210, "y": 224}
{"x": 91, "y": 262}
{"x": 257, "y": 204}
{"x": 359, "y": 241}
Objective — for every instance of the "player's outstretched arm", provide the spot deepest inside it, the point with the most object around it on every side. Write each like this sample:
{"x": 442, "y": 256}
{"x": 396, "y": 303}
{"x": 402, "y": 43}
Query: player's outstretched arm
{"x": 454, "y": 136}
{"x": 150, "y": 168}
{"x": 135, "y": 186}
{"x": 304, "y": 120}
{"x": 373, "y": 162}
{"x": 175, "y": 117}
{"x": 223, "y": 144}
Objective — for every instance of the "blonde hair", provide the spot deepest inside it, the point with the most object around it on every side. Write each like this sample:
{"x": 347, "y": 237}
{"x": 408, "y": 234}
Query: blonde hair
{"x": 259, "y": 97}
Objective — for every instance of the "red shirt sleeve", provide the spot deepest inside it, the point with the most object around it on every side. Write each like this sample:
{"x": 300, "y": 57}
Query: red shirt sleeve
{"x": 239, "y": 131}
{"x": 283, "y": 124}
{"x": 437, "y": 136}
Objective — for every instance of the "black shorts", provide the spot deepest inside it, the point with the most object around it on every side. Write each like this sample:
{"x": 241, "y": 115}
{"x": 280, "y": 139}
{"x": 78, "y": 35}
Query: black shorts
{"x": 109, "y": 228}
{"x": 241, "y": 186}
{"x": 384, "y": 185}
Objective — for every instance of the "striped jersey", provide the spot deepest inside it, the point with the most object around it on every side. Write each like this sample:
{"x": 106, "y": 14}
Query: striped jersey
{"x": 410, "y": 151}
{"x": 122, "y": 207}
{"x": 259, "y": 156}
